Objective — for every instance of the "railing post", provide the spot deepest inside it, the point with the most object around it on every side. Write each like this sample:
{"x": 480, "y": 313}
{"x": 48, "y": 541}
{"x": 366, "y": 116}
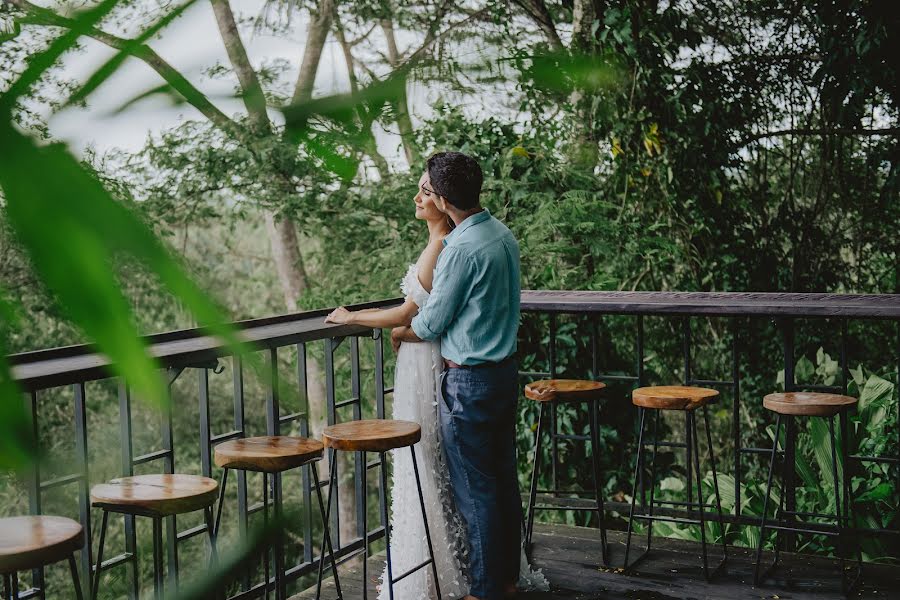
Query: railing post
{"x": 331, "y": 417}
{"x": 237, "y": 379}
{"x": 128, "y": 471}
{"x": 359, "y": 457}
{"x": 554, "y": 428}
{"x": 34, "y": 484}
{"x": 736, "y": 414}
{"x": 273, "y": 427}
{"x": 169, "y": 465}
{"x": 790, "y": 490}
{"x": 84, "y": 497}
{"x": 306, "y": 470}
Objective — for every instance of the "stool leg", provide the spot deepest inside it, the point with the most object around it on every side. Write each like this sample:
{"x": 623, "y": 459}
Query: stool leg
{"x": 762, "y": 522}
{"x": 95, "y": 584}
{"x": 638, "y": 465}
{"x": 689, "y": 465}
{"x": 387, "y": 527}
{"x": 598, "y": 480}
{"x": 266, "y": 528}
{"x": 158, "y": 583}
{"x": 692, "y": 418}
{"x": 13, "y": 585}
{"x": 7, "y": 587}
{"x": 278, "y": 550}
{"x": 712, "y": 460}
{"x": 327, "y": 535}
{"x": 76, "y": 581}
{"x": 535, "y": 470}
{"x": 220, "y": 501}
{"x": 653, "y": 476}
{"x": 362, "y": 457}
{"x": 437, "y": 584}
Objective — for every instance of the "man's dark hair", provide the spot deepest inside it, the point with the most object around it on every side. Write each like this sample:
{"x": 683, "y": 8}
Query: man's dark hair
{"x": 457, "y": 177}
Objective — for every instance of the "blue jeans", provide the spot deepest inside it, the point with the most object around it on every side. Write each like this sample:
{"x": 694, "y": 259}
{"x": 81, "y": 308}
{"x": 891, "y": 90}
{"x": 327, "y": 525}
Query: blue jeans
{"x": 478, "y": 418}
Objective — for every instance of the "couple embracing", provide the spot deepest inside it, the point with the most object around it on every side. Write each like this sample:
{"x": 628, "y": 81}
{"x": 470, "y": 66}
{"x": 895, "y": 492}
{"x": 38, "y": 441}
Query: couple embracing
{"x": 455, "y": 336}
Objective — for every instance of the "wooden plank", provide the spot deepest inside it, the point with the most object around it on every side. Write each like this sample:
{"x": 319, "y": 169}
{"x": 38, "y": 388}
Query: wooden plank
{"x": 569, "y": 558}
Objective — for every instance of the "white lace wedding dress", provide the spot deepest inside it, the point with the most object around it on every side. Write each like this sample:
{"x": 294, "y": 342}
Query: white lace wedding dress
{"x": 416, "y": 399}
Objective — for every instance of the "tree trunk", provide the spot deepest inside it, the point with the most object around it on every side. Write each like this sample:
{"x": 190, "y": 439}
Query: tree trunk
{"x": 401, "y": 106}
{"x": 583, "y": 149}
{"x": 288, "y": 261}
{"x": 319, "y": 24}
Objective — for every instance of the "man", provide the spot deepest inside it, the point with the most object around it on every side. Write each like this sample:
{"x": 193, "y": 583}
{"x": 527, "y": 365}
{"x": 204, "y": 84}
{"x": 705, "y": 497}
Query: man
{"x": 474, "y": 310}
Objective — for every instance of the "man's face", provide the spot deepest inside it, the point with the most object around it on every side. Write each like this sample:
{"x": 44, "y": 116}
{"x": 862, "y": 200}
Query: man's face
{"x": 429, "y": 206}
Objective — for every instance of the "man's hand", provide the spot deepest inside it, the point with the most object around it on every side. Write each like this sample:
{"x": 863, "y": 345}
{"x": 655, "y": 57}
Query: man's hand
{"x": 402, "y": 334}
{"x": 339, "y": 315}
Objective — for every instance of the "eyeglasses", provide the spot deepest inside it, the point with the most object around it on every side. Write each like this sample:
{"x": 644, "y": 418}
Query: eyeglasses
{"x": 427, "y": 191}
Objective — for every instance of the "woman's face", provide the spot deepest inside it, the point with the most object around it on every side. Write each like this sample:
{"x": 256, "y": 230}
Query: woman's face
{"x": 426, "y": 210}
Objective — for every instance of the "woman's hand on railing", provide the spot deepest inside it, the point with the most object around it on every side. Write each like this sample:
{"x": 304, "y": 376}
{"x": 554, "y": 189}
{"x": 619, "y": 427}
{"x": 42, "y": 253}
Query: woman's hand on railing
{"x": 340, "y": 315}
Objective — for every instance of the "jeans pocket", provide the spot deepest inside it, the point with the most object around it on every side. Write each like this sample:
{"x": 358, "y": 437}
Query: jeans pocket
{"x": 446, "y": 403}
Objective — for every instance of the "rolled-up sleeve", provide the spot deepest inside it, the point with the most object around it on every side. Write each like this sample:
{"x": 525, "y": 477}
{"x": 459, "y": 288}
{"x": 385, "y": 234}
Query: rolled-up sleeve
{"x": 453, "y": 277}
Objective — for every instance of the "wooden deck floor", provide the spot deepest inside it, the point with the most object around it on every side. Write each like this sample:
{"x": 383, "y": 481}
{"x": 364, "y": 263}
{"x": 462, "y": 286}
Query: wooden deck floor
{"x": 569, "y": 558}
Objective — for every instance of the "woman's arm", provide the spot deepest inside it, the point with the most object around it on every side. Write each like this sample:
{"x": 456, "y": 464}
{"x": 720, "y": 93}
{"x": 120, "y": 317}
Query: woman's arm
{"x": 375, "y": 317}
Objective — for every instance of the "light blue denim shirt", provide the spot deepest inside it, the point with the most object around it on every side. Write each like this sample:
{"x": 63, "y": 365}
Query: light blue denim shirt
{"x": 474, "y": 302}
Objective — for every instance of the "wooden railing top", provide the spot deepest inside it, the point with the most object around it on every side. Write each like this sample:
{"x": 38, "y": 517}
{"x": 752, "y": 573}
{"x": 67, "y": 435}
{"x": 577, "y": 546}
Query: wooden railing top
{"x": 774, "y": 304}
{"x": 71, "y": 364}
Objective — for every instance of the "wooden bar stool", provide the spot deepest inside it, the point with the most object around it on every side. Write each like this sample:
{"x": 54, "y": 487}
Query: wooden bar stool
{"x": 547, "y": 393}
{"x": 154, "y": 496}
{"x": 687, "y": 399}
{"x": 30, "y": 542}
{"x": 377, "y": 435}
{"x": 786, "y": 407}
{"x": 271, "y": 455}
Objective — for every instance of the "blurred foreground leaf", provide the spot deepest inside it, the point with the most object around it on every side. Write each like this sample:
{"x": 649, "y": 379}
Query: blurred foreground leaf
{"x": 73, "y": 232}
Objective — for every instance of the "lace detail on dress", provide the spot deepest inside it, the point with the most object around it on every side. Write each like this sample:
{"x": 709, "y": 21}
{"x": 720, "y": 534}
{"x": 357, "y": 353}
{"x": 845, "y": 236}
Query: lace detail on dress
{"x": 416, "y": 396}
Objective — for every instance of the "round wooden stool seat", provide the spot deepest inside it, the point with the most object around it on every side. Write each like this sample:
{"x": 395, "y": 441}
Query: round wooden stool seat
{"x": 375, "y": 435}
{"x": 29, "y": 542}
{"x": 156, "y": 495}
{"x": 268, "y": 454}
{"x": 808, "y": 404}
{"x": 673, "y": 397}
{"x": 564, "y": 390}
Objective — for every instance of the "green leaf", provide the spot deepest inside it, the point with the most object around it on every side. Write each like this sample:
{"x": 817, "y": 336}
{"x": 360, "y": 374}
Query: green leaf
{"x": 42, "y": 61}
{"x": 109, "y": 67}
{"x": 73, "y": 231}
{"x": 882, "y": 491}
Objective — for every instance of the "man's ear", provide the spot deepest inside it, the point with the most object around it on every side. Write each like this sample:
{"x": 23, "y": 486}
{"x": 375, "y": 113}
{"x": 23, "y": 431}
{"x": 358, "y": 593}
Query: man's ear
{"x": 441, "y": 203}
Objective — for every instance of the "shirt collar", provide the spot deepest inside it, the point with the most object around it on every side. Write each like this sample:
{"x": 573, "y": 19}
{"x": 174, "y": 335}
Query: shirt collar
{"x": 475, "y": 219}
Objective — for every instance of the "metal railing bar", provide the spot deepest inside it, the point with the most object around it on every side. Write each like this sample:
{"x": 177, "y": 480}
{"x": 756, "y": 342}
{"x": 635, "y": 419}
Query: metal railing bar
{"x": 344, "y": 403}
{"x": 291, "y": 417}
{"x": 225, "y": 437}
{"x": 150, "y": 457}
{"x": 114, "y": 561}
{"x": 192, "y": 532}
{"x": 887, "y": 460}
{"x": 61, "y": 481}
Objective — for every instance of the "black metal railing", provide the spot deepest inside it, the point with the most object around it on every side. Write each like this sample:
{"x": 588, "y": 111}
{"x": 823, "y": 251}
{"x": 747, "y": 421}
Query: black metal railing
{"x": 738, "y": 308}
{"x": 43, "y": 371}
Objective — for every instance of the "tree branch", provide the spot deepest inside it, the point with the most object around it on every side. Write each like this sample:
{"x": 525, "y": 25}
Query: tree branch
{"x": 37, "y": 15}
{"x": 537, "y": 12}
{"x": 253, "y": 96}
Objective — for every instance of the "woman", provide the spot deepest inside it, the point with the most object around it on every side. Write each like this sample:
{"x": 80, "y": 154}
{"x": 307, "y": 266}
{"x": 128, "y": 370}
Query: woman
{"x": 416, "y": 399}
